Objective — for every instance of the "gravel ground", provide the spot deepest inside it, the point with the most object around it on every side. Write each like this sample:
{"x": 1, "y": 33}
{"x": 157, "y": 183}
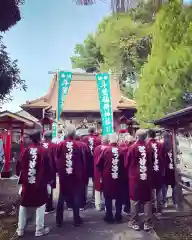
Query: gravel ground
{"x": 179, "y": 228}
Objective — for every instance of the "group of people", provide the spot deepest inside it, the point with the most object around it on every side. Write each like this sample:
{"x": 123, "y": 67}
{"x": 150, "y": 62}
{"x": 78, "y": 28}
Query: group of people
{"x": 134, "y": 172}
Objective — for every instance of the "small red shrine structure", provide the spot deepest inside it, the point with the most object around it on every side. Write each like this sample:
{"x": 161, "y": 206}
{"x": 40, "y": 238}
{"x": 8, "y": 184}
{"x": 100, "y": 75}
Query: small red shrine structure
{"x": 82, "y": 103}
{"x": 8, "y": 123}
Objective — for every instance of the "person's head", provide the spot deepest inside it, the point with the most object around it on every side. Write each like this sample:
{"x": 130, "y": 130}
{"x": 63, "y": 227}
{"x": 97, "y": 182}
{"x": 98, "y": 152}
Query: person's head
{"x": 35, "y": 137}
{"x": 105, "y": 139}
{"x": 113, "y": 138}
{"x": 167, "y": 140}
{"x": 151, "y": 134}
{"x": 129, "y": 138}
{"x": 91, "y": 130}
{"x": 77, "y": 137}
{"x": 70, "y": 131}
{"x": 48, "y": 136}
{"x": 141, "y": 134}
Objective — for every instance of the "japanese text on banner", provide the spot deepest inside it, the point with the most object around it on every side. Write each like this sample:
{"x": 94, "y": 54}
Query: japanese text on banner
{"x": 103, "y": 85}
{"x": 64, "y": 80}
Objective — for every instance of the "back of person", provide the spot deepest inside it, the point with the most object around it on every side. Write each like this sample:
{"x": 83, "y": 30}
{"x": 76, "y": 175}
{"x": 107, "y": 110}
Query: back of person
{"x": 34, "y": 177}
{"x": 92, "y": 141}
{"x": 70, "y": 166}
{"x": 111, "y": 163}
{"x": 139, "y": 164}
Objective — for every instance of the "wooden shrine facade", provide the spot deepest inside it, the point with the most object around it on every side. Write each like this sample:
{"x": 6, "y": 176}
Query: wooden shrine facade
{"x": 82, "y": 103}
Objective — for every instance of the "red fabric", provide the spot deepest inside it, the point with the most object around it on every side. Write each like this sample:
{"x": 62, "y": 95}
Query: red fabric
{"x": 92, "y": 142}
{"x": 139, "y": 190}
{"x": 75, "y": 177}
{"x": 50, "y": 154}
{"x": 86, "y": 156}
{"x": 158, "y": 169}
{"x": 112, "y": 187}
{"x": 34, "y": 194}
{"x": 97, "y": 174}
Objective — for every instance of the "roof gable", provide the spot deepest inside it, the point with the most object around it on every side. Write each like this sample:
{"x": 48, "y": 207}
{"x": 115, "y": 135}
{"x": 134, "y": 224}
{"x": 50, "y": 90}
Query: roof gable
{"x": 82, "y": 95}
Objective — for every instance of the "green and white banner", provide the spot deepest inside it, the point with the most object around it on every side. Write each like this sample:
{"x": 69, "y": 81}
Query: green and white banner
{"x": 64, "y": 80}
{"x": 54, "y": 130}
{"x": 103, "y": 85}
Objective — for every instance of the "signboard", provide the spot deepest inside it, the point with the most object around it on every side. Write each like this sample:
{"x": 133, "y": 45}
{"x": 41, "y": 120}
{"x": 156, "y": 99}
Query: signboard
{"x": 104, "y": 92}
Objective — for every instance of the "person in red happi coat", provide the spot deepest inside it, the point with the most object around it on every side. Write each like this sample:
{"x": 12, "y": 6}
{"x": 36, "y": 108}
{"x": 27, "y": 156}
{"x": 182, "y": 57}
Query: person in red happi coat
{"x": 72, "y": 175}
{"x": 86, "y": 156}
{"x": 157, "y": 171}
{"x": 50, "y": 152}
{"x": 35, "y": 175}
{"x": 126, "y": 142}
{"x": 97, "y": 174}
{"x": 138, "y": 164}
{"x": 169, "y": 171}
{"x": 111, "y": 166}
{"x": 92, "y": 140}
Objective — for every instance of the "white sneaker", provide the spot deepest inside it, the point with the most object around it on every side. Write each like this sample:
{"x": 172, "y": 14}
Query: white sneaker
{"x": 134, "y": 225}
{"x": 42, "y": 232}
{"x": 165, "y": 205}
{"x": 147, "y": 226}
{"x": 20, "y": 233}
{"x": 69, "y": 209}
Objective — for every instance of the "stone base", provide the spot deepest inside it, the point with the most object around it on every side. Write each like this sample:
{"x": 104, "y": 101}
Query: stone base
{"x": 6, "y": 174}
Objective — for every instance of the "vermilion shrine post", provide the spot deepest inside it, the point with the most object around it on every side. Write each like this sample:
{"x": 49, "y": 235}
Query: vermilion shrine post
{"x": 8, "y": 123}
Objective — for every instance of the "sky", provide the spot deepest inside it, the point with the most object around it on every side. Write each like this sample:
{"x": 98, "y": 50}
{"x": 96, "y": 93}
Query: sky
{"x": 44, "y": 41}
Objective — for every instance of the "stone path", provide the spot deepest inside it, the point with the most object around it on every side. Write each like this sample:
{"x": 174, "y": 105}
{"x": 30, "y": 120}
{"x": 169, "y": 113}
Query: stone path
{"x": 94, "y": 228}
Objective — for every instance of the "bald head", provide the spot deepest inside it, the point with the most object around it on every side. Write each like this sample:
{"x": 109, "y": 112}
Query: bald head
{"x": 141, "y": 134}
{"x": 113, "y": 138}
{"x": 70, "y": 131}
{"x": 105, "y": 139}
{"x": 129, "y": 138}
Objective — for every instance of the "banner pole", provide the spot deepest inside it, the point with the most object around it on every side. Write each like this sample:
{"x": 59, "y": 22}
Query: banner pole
{"x": 57, "y": 115}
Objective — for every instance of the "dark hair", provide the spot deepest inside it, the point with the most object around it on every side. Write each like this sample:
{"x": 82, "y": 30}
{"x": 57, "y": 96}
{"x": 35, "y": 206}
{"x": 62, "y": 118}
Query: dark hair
{"x": 35, "y": 137}
{"x": 167, "y": 140}
{"x": 151, "y": 133}
{"x": 91, "y": 130}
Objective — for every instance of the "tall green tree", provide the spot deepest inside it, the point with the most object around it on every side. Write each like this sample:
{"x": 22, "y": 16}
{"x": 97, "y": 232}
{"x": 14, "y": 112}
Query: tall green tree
{"x": 166, "y": 77}
{"x": 87, "y": 56}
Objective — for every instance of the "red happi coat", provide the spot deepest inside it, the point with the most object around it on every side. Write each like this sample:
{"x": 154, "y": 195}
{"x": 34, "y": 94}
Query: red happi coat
{"x": 169, "y": 176}
{"x": 34, "y": 177}
{"x": 111, "y": 166}
{"x": 158, "y": 163}
{"x": 86, "y": 156}
{"x": 49, "y": 154}
{"x": 71, "y": 167}
{"x": 97, "y": 174}
{"x": 138, "y": 165}
{"x": 92, "y": 141}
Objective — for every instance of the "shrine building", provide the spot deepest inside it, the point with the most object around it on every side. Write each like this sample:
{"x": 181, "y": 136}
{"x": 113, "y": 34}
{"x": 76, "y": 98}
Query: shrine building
{"x": 81, "y": 106}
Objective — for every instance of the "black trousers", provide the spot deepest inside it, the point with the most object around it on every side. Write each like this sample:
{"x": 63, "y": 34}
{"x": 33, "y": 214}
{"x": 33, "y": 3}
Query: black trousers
{"x": 75, "y": 201}
{"x": 49, "y": 204}
{"x": 109, "y": 207}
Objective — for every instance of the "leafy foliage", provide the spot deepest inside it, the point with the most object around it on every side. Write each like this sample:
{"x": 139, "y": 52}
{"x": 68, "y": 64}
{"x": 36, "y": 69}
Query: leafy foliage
{"x": 166, "y": 77}
{"x": 87, "y": 55}
{"x": 9, "y": 13}
{"x": 9, "y": 75}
